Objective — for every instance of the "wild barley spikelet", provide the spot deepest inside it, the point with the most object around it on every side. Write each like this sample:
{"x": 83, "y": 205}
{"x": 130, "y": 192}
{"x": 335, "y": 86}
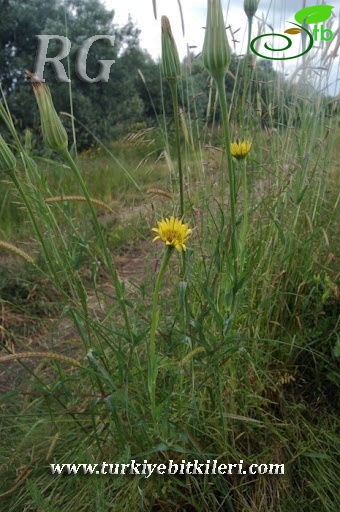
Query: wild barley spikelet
{"x": 40, "y": 355}
{"x": 216, "y": 55}
{"x": 171, "y": 66}
{"x": 61, "y": 199}
{"x": 54, "y": 133}
{"x": 7, "y": 159}
{"x": 159, "y": 192}
{"x": 17, "y": 251}
{"x": 250, "y": 7}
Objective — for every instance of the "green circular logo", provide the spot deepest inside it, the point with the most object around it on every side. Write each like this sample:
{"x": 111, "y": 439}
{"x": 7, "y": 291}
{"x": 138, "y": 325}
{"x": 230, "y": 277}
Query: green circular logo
{"x": 289, "y": 44}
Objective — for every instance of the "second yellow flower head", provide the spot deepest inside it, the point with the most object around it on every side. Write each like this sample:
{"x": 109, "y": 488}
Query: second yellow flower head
{"x": 240, "y": 150}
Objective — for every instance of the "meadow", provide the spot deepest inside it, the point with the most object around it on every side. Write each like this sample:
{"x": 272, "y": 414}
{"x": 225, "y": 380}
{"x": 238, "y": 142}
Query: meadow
{"x": 174, "y": 295}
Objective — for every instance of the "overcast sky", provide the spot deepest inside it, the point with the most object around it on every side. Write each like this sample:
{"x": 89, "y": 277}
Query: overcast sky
{"x": 276, "y": 12}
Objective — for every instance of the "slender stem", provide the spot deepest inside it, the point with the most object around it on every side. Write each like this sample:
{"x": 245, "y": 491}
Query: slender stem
{"x": 250, "y": 25}
{"x": 232, "y": 188}
{"x": 244, "y": 229}
{"x": 246, "y": 64}
{"x": 68, "y": 158}
{"x": 225, "y": 119}
{"x": 174, "y": 94}
{"x": 36, "y": 227}
{"x": 153, "y": 369}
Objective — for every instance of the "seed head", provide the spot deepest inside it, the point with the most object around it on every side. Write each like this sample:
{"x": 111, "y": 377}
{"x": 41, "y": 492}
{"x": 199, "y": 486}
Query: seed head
{"x": 171, "y": 66}
{"x": 216, "y": 54}
{"x": 54, "y": 133}
{"x": 17, "y": 251}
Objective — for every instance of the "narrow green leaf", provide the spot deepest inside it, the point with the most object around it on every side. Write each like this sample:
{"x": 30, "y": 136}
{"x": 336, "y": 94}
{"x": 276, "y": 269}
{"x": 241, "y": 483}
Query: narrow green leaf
{"x": 182, "y": 18}
{"x": 242, "y": 418}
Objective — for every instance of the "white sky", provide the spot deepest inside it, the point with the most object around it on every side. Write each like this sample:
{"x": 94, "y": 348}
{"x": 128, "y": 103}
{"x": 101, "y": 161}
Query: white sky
{"x": 277, "y": 12}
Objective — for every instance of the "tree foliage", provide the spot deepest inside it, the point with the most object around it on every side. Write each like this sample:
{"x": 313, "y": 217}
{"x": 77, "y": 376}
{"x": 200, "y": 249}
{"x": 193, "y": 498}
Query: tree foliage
{"x": 104, "y": 108}
{"x": 135, "y": 92}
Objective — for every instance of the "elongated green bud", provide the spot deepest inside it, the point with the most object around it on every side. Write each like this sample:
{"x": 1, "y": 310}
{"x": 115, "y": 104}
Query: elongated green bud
{"x": 28, "y": 140}
{"x": 250, "y": 7}
{"x": 7, "y": 159}
{"x": 171, "y": 66}
{"x": 54, "y": 133}
{"x": 216, "y": 55}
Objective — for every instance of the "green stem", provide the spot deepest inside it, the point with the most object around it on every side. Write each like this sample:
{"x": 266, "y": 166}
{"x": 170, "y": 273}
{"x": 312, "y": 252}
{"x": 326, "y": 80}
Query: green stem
{"x": 232, "y": 187}
{"x": 246, "y": 65}
{"x": 244, "y": 229}
{"x": 174, "y": 94}
{"x": 68, "y": 158}
{"x": 153, "y": 369}
{"x": 36, "y": 227}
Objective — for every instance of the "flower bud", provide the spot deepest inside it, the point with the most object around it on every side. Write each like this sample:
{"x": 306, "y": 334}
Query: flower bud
{"x": 28, "y": 140}
{"x": 7, "y": 159}
{"x": 250, "y": 7}
{"x": 171, "y": 66}
{"x": 54, "y": 133}
{"x": 216, "y": 54}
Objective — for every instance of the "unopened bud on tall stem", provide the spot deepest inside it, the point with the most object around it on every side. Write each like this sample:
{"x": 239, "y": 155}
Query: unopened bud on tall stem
{"x": 54, "y": 133}
{"x": 171, "y": 66}
{"x": 216, "y": 54}
{"x": 250, "y": 7}
{"x": 216, "y": 58}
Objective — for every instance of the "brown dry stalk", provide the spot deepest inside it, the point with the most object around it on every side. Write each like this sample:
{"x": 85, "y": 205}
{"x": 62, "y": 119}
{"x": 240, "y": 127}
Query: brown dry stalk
{"x": 25, "y": 472}
{"x": 51, "y": 448}
{"x": 60, "y": 199}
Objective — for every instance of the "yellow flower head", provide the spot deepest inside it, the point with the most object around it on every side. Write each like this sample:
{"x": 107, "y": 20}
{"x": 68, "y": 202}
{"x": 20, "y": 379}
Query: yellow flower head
{"x": 173, "y": 233}
{"x": 240, "y": 149}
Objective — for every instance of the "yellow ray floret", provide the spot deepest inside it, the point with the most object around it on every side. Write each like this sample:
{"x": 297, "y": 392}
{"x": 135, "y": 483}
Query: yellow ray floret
{"x": 172, "y": 232}
{"x": 240, "y": 149}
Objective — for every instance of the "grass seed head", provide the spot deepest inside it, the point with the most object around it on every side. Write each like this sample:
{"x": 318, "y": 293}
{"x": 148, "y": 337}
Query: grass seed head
{"x": 18, "y": 252}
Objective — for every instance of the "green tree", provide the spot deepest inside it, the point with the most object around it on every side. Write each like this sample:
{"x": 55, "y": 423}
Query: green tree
{"x": 105, "y": 108}
{"x": 20, "y": 21}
